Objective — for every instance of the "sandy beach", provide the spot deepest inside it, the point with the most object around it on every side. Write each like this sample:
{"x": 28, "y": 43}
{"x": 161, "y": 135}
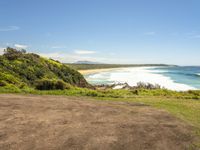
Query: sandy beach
{"x": 134, "y": 75}
{"x": 91, "y": 71}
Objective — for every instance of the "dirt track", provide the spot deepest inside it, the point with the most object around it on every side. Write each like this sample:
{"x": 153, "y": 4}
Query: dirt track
{"x": 58, "y": 122}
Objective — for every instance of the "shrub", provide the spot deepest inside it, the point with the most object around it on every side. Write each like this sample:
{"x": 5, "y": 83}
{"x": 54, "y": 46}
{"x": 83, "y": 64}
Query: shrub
{"x": 136, "y": 92}
{"x": 196, "y": 93}
{"x": 142, "y": 85}
{"x": 9, "y": 88}
{"x": 46, "y": 84}
{"x": 17, "y": 66}
{"x": 3, "y": 83}
{"x": 62, "y": 85}
{"x": 12, "y": 54}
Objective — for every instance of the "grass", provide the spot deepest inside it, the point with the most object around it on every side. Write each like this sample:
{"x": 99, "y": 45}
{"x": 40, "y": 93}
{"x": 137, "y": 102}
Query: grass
{"x": 120, "y": 93}
{"x": 187, "y": 110}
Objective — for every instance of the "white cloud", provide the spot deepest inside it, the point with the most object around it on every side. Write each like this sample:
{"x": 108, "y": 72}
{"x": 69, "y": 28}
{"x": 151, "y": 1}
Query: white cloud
{"x": 65, "y": 57}
{"x": 84, "y": 52}
{"x": 1, "y": 50}
{"x": 150, "y": 33}
{"x": 20, "y": 46}
{"x": 9, "y": 28}
{"x": 70, "y": 58}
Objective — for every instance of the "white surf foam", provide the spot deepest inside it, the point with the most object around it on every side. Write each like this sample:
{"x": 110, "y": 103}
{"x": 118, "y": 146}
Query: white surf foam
{"x": 142, "y": 74}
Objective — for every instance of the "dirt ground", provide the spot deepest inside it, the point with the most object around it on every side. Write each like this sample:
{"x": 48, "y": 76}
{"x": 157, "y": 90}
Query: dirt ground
{"x": 64, "y": 123}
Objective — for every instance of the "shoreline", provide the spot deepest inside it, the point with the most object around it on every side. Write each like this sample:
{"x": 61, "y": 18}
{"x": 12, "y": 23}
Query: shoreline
{"x": 142, "y": 74}
{"x": 91, "y": 71}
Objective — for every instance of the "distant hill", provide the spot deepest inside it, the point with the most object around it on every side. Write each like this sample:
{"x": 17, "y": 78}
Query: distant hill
{"x": 86, "y": 62}
{"x": 20, "y": 69}
{"x": 103, "y": 66}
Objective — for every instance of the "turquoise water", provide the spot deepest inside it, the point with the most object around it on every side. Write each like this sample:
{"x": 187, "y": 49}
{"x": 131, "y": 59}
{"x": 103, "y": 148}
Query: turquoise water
{"x": 174, "y": 78}
{"x": 186, "y": 75}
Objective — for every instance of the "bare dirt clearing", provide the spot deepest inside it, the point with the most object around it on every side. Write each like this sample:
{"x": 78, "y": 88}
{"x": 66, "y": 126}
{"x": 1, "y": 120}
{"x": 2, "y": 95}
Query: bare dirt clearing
{"x": 60, "y": 122}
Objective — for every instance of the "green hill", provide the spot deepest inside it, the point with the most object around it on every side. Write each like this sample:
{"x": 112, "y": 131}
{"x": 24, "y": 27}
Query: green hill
{"x": 19, "y": 69}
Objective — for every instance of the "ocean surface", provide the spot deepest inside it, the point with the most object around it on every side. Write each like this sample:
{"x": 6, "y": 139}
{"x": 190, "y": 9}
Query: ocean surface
{"x": 173, "y": 78}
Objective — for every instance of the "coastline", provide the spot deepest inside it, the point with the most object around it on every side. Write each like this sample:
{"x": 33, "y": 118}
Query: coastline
{"x": 91, "y": 71}
{"x": 134, "y": 75}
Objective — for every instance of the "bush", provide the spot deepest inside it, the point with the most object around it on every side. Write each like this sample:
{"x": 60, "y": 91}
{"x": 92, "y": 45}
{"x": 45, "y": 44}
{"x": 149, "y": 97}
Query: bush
{"x": 9, "y": 88}
{"x": 3, "y": 83}
{"x": 17, "y": 66}
{"x": 142, "y": 85}
{"x": 62, "y": 85}
{"x": 47, "y": 84}
{"x": 12, "y": 54}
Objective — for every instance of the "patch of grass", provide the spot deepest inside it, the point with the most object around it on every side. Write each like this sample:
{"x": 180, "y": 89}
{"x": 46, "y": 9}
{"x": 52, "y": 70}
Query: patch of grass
{"x": 120, "y": 93}
{"x": 187, "y": 110}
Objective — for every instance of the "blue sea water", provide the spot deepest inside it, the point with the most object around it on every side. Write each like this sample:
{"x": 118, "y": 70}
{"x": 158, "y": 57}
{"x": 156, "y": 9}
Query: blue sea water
{"x": 189, "y": 75}
{"x": 172, "y": 77}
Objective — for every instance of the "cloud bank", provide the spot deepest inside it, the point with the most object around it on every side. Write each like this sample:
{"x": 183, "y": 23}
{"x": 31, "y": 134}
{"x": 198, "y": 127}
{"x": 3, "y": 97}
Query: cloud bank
{"x": 20, "y": 46}
{"x": 72, "y": 57}
{"x": 84, "y": 52}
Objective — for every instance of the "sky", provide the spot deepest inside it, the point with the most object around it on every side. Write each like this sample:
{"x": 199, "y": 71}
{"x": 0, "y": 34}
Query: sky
{"x": 107, "y": 31}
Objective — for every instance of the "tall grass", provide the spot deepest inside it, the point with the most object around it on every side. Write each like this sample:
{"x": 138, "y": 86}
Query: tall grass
{"x": 120, "y": 93}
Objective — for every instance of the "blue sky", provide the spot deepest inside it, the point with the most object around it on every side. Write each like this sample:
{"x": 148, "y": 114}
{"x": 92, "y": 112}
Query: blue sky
{"x": 109, "y": 31}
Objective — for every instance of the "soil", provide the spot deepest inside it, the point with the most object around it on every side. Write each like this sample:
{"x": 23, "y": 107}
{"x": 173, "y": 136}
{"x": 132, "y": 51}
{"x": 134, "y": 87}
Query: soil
{"x": 30, "y": 122}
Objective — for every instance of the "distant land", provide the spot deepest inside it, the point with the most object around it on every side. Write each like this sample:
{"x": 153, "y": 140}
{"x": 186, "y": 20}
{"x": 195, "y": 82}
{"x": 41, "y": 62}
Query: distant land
{"x": 85, "y": 66}
{"x": 87, "y": 62}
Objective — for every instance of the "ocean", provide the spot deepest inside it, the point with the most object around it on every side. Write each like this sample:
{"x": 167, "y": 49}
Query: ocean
{"x": 172, "y": 77}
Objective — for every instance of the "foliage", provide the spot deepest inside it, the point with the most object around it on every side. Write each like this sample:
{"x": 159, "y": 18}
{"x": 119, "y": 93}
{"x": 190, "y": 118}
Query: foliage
{"x": 109, "y": 93}
{"x": 23, "y": 69}
{"x": 46, "y": 84}
{"x": 147, "y": 86}
{"x": 12, "y": 54}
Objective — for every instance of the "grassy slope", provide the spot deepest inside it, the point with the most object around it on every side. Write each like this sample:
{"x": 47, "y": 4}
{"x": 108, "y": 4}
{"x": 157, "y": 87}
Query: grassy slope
{"x": 21, "y": 70}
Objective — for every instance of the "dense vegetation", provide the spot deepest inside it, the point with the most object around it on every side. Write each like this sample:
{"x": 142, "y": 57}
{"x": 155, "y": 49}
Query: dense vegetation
{"x": 20, "y": 70}
{"x": 102, "y": 66}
